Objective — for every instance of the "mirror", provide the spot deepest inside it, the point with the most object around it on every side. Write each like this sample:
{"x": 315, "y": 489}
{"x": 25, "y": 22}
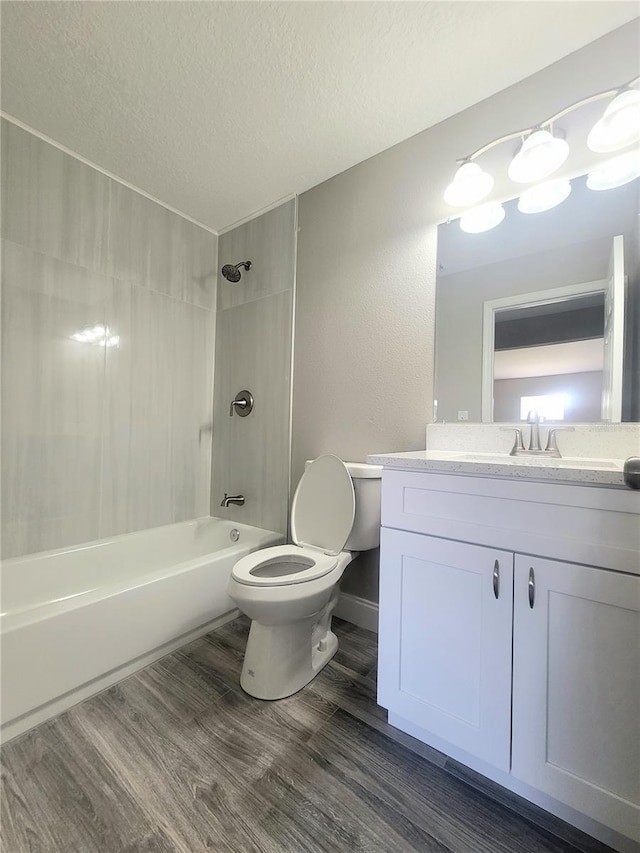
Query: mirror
{"x": 542, "y": 312}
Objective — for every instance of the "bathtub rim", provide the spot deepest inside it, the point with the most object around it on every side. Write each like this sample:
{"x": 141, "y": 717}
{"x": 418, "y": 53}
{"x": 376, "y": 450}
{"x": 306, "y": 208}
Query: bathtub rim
{"x": 11, "y": 619}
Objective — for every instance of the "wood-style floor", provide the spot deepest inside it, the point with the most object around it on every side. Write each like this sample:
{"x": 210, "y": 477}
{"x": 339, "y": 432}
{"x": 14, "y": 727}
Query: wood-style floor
{"x": 178, "y": 758}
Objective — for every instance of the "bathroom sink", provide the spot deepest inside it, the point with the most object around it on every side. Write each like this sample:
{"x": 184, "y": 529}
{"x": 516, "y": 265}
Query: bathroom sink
{"x": 542, "y": 461}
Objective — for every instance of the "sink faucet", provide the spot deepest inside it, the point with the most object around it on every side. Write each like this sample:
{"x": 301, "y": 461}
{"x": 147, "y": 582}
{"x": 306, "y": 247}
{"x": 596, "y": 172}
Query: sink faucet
{"x": 533, "y": 419}
{"x": 238, "y": 500}
{"x": 535, "y": 449}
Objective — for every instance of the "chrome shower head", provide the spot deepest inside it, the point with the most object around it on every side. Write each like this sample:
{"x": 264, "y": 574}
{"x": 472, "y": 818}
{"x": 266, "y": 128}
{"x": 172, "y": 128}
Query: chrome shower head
{"x": 232, "y": 271}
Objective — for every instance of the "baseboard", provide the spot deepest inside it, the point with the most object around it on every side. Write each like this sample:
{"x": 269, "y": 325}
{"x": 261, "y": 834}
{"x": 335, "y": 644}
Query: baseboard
{"x": 358, "y": 611}
{"x": 57, "y": 706}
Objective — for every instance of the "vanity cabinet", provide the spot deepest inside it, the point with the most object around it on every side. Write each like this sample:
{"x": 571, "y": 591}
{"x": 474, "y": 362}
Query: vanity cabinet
{"x": 445, "y": 662}
{"x": 509, "y": 632}
{"x": 576, "y": 688}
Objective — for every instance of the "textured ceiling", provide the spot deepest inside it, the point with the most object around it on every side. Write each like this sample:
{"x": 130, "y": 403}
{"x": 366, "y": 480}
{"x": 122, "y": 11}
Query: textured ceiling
{"x": 221, "y": 108}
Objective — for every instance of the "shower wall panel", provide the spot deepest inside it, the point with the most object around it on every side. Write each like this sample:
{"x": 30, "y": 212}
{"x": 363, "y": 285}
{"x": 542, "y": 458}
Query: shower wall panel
{"x": 251, "y": 456}
{"x": 102, "y": 432}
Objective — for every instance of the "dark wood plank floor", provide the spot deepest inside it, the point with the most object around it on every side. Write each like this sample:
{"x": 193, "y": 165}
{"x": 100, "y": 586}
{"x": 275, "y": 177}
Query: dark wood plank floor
{"x": 178, "y": 758}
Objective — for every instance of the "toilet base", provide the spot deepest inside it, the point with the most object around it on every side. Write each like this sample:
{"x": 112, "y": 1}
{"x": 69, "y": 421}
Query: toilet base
{"x": 282, "y": 659}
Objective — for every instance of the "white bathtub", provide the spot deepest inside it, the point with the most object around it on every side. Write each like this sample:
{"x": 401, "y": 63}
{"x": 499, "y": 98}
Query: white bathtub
{"x": 76, "y": 620}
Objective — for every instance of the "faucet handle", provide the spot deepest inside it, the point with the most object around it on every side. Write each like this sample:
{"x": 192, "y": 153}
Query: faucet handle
{"x": 242, "y": 404}
{"x": 552, "y": 444}
{"x": 518, "y": 443}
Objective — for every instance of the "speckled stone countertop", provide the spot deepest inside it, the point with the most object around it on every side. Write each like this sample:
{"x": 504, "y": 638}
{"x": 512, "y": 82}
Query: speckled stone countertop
{"x": 578, "y": 471}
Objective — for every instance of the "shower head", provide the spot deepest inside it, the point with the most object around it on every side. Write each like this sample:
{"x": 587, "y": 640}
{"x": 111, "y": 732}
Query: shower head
{"x": 232, "y": 271}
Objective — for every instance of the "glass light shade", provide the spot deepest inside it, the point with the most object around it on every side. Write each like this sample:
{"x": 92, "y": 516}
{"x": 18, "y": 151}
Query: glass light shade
{"x": 619, "y": 126}
{"x": 541, "y": 154}
{"x": 469, "y": 185}
{"x": 543, "y": 196}
{"x": 616, "y": 172}
{"x": 482, "y": 218}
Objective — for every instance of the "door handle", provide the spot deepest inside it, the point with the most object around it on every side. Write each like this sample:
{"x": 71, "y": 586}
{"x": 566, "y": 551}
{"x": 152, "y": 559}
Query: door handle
{"x": 496, "y": 579}
{"x": 532, "y": 587}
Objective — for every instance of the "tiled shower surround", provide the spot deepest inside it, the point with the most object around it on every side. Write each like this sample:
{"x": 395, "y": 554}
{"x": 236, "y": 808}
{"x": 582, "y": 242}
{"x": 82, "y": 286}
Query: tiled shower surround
{"x": 110, "y": 435}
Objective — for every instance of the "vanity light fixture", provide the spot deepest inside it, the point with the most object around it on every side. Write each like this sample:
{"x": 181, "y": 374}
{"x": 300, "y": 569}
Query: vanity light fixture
{"x": 615, "y": 172}
{"x": 540, "y": 155}
{"x": 620, "y": 124}
{"x": 470, "y": 184}
{"x": 482, "y": 218}
{"x": 544, "y": 196}
{"x": 544, "y": 150}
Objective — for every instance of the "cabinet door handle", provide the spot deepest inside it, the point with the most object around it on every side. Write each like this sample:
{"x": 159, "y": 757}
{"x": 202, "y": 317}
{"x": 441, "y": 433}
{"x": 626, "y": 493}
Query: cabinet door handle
{"x": 532, "y": 587}
{"x": 496, "y": 579}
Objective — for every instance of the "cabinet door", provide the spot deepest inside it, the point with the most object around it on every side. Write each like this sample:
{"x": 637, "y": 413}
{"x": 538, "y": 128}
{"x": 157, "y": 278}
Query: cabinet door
{"x": 445, "y": 640}
{"x": 576, "y": 688}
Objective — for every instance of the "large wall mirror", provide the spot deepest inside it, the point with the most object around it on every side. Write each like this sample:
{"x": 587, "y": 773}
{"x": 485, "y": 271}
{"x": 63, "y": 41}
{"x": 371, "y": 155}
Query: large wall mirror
{"x": 542, "y": 312}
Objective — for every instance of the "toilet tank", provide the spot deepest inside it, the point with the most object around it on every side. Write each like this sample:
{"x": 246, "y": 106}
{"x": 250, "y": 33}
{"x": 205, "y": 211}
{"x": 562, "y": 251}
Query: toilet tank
{"x": 367, "y": 481}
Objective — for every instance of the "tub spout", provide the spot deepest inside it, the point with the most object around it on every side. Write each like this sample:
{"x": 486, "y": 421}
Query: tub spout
{"x": 238, "y": 500}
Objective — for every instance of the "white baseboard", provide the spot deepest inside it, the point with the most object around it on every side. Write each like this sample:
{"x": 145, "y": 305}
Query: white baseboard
{"x": 33, "y": 718}
{"x": 358, "y": 611}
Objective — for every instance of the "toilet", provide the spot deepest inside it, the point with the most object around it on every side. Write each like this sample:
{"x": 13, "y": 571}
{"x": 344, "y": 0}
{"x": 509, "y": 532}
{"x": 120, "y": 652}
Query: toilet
{"x": 290, "y": 591}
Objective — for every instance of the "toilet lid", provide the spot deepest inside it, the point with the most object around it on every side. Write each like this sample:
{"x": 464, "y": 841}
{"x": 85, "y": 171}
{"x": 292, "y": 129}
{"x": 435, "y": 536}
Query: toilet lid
{"x": 324, "y": 505}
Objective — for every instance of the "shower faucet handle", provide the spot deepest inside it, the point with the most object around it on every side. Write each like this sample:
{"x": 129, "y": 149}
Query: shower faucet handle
{"x": 242, "y": 404}
{"x": 236, "y": 404}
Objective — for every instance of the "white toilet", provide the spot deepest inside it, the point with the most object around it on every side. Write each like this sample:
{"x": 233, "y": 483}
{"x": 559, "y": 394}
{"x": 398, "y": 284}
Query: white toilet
{"x": 289, "y": 591}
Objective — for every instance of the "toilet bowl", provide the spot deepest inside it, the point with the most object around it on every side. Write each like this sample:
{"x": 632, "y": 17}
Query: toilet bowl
{"x": 290, "y": 591}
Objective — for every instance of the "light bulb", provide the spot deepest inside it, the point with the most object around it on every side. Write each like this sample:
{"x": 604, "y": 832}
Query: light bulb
{"x": 616, "y": 172}
{"x": 482, "y": 218}
{"x": 540, "y": 155}
{"x": 469, "y": 185}
{"x": 543, "y": 196}
{"x": 619, "y": 126}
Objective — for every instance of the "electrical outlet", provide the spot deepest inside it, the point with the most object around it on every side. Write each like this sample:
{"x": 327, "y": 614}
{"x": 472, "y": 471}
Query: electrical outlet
{"x": 463, "y": 416}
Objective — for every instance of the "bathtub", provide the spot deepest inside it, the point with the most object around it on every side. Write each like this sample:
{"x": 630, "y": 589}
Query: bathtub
{"x": 76, "y": 620}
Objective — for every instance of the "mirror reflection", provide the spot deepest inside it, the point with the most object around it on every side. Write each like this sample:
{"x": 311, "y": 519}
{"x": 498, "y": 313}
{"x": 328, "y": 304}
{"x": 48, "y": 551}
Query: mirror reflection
{"x": 542, "y": 312}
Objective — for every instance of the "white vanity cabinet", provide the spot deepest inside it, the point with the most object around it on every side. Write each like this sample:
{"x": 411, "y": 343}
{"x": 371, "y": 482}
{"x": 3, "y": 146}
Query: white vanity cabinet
{"x": 446, "y": 661}
{"x": 533, "y": 676}
{"x": 576, "y": 688}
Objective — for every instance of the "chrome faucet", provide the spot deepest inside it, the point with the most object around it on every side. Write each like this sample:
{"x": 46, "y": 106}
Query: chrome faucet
{"x": 533, "y": 419}
{"x": 535, "y": 449}
{"x": 238, "y": 500}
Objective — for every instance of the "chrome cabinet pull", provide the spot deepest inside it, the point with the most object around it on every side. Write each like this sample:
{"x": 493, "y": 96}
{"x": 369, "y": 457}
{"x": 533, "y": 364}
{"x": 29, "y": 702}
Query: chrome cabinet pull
{"x": 532, "y": 587}
{"x": 496, "y": 579}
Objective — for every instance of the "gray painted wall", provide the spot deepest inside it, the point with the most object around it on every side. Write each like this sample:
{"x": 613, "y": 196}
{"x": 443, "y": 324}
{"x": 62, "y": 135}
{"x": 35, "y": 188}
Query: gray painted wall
{"x": 365, "y": 305}
{"x": 99, "y": 441}
{"x": 253, "y": 351}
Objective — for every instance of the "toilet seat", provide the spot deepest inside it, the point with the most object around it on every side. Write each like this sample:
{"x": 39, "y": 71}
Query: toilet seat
{"x": 283, "y": 565}
{"x": 322, "y": 516}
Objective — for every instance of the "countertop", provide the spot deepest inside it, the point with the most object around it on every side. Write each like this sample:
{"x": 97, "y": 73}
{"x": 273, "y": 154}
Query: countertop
{"x": 578, "y": 471}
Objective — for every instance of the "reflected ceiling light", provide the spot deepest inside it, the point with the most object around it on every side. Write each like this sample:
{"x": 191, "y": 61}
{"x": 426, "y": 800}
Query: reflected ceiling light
{"x": 616, "y": 172}
{"x": 620, "y": 124}
{"x": 540, "y": 155}
{"x": 470, "y": 184}
{"x": 98, "y": 335}
{"x": 482, "y": 218}
{"x": 543, "y": 196}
